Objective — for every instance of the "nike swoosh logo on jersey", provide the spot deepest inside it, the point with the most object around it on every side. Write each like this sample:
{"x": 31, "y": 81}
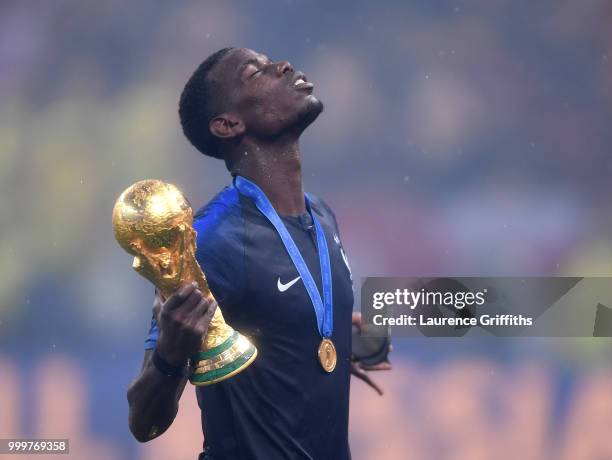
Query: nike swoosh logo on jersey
{"x": 283, "y": 287}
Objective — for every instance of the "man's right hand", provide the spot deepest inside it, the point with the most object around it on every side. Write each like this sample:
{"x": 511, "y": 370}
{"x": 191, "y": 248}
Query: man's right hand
{"x": 183, "y": 321}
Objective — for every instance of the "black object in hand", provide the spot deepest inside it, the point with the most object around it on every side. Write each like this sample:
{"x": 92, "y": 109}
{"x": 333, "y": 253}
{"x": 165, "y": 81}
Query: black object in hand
{"x": 369, "y": 351}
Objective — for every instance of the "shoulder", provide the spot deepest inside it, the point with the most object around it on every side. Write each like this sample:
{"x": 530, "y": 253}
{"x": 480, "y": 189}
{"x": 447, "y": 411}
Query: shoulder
{"x": 318, "y": 204}
{"x": 219, "y": 224}
{"x": 224, "y": 206}
{"x": 320, "y": 207}
{"x": 220, "y": 249}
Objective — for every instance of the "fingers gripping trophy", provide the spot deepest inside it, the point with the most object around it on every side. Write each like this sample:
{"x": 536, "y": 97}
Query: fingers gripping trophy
{"x": 153, "y": 222}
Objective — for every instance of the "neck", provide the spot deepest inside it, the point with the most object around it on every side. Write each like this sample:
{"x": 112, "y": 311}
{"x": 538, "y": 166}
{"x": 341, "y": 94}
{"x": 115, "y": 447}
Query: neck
{"x": 277, "y": 169}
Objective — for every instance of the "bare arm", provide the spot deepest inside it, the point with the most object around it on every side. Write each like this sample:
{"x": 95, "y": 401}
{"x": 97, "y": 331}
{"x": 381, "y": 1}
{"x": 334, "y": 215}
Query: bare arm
{"x": 153, "y": 396}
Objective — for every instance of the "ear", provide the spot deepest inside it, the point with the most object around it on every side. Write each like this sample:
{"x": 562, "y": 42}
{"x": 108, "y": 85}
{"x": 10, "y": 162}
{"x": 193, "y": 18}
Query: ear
{"x": 226, "y": 126}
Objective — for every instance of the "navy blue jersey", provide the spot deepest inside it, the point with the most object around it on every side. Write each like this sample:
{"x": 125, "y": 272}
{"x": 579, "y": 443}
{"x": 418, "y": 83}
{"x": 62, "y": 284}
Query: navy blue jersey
{"x": 283, "y": 406}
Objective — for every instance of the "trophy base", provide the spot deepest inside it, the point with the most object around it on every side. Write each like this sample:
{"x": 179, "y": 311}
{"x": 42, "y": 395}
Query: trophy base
{"x": 223, "y": 361}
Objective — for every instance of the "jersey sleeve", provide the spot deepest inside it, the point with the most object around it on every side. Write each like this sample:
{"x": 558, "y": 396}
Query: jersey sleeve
{"x": 151, "y": 339}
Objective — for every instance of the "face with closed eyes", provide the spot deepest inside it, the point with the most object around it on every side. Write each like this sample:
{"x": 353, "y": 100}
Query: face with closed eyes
{"x": 262, "y": 98}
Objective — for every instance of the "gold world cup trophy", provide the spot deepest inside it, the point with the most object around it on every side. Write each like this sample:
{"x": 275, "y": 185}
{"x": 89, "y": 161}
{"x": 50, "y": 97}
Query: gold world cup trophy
{"x": 153, "y": 221}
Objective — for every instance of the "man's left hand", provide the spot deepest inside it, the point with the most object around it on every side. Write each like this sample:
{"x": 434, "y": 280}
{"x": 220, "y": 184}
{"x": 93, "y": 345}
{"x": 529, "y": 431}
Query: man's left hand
{"x": 359, "y": 369}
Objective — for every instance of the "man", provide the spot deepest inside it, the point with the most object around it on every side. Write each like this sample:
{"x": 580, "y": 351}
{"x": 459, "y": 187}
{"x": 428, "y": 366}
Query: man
{"x": 291, "y": 403}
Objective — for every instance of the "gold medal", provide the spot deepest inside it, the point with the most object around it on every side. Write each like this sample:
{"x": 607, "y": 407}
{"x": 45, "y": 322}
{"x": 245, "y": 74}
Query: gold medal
{"x": 327, "y": 355}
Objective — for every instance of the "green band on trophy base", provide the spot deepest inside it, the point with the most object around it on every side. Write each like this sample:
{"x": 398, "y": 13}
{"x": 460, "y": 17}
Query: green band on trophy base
{"x": 208, "y": 354}
{"x": 208, "y": 377}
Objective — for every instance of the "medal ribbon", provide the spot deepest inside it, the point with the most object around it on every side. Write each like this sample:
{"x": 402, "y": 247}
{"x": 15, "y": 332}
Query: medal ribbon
{"x": 323, "y": 308}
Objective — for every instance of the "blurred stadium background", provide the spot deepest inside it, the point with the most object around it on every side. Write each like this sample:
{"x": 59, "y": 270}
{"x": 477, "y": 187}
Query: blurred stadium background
{"x": 460, "y": 137}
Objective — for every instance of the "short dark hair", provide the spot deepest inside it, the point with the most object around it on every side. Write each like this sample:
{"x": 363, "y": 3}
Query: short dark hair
{"x": 197, "y": 104}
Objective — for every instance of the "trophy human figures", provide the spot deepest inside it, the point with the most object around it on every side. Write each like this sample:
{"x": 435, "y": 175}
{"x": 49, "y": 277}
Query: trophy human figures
{"x": 153, "y": 221}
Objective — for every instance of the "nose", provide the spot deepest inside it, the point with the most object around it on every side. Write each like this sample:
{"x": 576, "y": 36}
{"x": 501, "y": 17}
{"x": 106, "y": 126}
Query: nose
{"x": 283, "y": 67}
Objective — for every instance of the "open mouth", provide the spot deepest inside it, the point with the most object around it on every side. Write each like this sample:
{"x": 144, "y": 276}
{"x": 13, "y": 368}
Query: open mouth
{"x": 301, "y": 83}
